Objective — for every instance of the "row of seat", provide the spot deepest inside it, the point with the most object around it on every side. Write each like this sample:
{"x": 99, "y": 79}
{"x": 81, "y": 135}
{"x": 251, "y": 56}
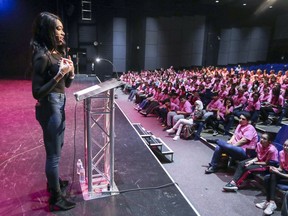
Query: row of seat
{"x": 277, "y": 67}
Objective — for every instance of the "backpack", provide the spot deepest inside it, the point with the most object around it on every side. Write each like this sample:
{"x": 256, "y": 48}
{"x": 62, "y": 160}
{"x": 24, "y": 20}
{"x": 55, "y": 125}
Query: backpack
{"x": 198, "y": 114}
{"x": 187, "y": 132}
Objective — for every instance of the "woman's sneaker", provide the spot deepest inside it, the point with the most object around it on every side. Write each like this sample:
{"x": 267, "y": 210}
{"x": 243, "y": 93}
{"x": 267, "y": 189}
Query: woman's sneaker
{"x": 270, "y": 208}
{"x": 230, "y": 187}
{"x": 176, "y": 138}
{"x": 210, "y": 170}
{"x": 171, "y": 130}
{"x": 262, "y": 205}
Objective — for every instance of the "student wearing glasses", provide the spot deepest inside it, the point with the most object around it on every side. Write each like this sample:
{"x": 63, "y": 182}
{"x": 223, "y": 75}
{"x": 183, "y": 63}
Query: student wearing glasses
{"x": 267, "y": 154}
{"x": 245, "y": 137}
{"x": 271, "y": 181}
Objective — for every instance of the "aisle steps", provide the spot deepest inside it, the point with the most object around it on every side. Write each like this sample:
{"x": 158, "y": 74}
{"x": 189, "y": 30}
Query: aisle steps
{"x": 157, "y": 145}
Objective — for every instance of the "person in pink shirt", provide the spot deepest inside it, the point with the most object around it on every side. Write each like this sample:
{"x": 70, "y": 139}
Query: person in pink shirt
{"x": 222, "y": 115}
{"x": 245, "y": 137}
{"x": 164, "y": 109}
{"x": 223, "y": 92}
{"x": 167, "y": 100}
{"x": 271, "y": 181}
{"x": 239, "y": 102}
{"x": 267, "y": 154}
{"x": 216, "y": 87}
{"x": 265, "y": 96}
{"x": 184, "y": 111}
{"x": 253, "y": 107}
{"x": 284, "y": 85}
{"x": 153, "y": 102}
{"x": 213, "y": 105}
{"x": 196, "y": 115}
{"x": 275, "y": 105}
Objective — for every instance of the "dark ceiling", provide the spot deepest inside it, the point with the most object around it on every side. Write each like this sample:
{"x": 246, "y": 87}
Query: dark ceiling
{"x": 225, "y": 11}
{"x": 196, "y": 5}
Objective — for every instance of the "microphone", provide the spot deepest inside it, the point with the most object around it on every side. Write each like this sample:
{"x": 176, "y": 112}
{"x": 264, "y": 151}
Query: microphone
{"x": 114, "y": 67}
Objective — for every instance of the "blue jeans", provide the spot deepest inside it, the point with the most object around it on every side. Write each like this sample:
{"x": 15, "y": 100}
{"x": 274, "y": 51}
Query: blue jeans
{"x": 199, "y": 126}
{"x": 51, "y": 116}
{"x": 132, "y": 94}
{"x": 237, "y": 153}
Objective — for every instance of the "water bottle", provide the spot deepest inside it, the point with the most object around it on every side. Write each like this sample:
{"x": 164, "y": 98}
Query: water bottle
{"x": 79, "y": 164}
{"x": 82, "y": 175}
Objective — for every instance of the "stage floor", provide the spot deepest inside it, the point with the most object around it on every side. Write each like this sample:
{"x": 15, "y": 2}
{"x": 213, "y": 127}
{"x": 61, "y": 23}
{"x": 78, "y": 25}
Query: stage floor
{"x": 22, "y": 163}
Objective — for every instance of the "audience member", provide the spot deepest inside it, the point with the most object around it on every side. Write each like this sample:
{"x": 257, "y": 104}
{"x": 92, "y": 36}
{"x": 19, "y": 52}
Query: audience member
{"x": 274, "y": 105}
{"x": 184, "y": 111}
{"x": 196, "y": 115}
{"x": 253, "y": 107}
{"x": 213, "y": 105}
{"x": 239, "y": 102}
{"x": 271, "y": 181}
{"x": 267, "y": 154}
{"x": 221, "y": 115}
{"x": 245, "y": 137}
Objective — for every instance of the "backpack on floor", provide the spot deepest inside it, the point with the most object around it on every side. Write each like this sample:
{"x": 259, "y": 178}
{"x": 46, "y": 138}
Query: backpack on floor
{"x": 187, "y": 132}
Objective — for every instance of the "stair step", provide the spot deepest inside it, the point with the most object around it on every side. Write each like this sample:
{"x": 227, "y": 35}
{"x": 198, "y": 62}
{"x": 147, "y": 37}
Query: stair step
{"x": 160, "y": 149}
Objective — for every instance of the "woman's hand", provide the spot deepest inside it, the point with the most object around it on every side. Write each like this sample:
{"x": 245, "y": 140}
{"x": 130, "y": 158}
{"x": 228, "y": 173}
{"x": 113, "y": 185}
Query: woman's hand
{"x": 273, "y": 169}
{"x": 248, "y": 163}
{"x": 66, "y": 66}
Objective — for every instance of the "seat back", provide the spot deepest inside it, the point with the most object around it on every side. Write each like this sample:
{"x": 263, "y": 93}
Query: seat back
{"x": 278, "y": 146}
{"x": 283, "y": 184}
{"x": 282, "y": 135}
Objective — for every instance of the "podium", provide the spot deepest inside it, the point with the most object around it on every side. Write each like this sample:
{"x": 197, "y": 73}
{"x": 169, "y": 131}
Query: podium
{"x": 99, "y": 113}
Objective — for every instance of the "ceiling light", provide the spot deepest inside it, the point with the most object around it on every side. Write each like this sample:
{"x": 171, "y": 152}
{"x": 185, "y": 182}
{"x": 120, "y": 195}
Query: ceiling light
{"x": 217, "y": 1}
{"x": 244, "y": 4}
{"x": 270, "y": 6}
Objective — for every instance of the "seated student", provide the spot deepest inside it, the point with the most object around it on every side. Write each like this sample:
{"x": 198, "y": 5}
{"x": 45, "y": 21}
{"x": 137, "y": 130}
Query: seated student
{"x": 267, "y": 154}
{"x": 245, "y": 137}
{"x": 213, "y": 105}
{"x": 162, "y": 111}
{"x": 275, "y": 105}
{"x": 158, "y": 101}
{"x": 134, "y": 90}
{"x": 185, "y": 109}
{"x": 239, "y": 102}
{"x": 223, "y": 92}
{"x": 143, "y": 93}
{"x": 271, "y": 181}
{"x": 253, "y": 107}
{"x": 223, "y": 114}
{"x": 197, "y": 114}
{"x": 265, "y": 95}
{"x": 154, "y": 94}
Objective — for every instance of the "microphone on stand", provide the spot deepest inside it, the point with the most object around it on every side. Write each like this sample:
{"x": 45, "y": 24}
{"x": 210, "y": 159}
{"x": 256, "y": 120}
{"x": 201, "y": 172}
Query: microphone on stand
{"x": 114, "y": 67}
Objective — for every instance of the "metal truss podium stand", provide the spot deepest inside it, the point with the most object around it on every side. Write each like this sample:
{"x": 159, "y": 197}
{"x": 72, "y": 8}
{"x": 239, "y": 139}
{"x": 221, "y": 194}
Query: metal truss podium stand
{"x": 99, "y": 113}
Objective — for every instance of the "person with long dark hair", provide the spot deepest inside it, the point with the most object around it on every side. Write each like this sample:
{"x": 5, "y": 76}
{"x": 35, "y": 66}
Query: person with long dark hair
{"x": 267, "y": 155}
{"x": 51, "y": 74}
{"x": 277, "y": 175}
{"x": 274, "y": 105}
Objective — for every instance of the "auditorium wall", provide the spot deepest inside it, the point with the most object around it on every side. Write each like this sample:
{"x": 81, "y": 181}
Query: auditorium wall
{"x": 243, "y": 45}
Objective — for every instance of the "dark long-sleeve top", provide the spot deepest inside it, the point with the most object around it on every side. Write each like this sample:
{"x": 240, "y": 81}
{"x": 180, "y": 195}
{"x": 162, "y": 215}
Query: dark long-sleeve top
{"x": 45, "y": 68}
